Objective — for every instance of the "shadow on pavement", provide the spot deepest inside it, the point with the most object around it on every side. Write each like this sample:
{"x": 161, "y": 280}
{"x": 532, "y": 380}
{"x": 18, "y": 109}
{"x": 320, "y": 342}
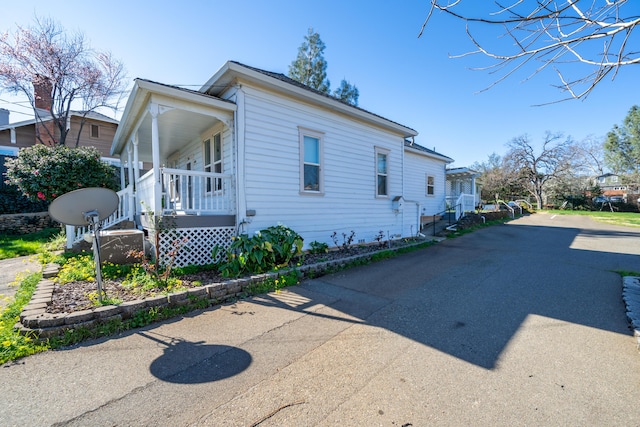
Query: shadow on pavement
{"x": 203, "y": 363}
{"x": 468, "y": 296}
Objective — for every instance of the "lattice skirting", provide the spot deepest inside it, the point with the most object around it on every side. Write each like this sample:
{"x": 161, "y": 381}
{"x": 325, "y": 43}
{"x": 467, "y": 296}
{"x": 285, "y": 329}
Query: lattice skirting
{"x": 194, "y": 245}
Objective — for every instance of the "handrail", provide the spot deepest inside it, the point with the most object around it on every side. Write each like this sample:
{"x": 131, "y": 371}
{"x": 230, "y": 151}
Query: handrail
{"x": 444, "y": 212}
{"x": 524, "y": 201}
{"x": 513, "y": 213}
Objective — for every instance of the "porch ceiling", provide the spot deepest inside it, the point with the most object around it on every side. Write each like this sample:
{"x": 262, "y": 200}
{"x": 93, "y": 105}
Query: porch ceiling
{"x": 176, "y": 128}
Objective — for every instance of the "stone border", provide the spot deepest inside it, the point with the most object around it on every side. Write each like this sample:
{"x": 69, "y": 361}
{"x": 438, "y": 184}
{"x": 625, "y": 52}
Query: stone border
{"x": 631, "y": 298}
{"x": 35, "y": 320}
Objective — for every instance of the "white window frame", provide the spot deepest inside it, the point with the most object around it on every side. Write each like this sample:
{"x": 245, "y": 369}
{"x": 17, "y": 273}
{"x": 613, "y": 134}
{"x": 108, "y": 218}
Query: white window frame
{"x": 212, "y": 163}
{"x": 302, "y": 132}
{"x": 381, "y": 151}
{"x": 432, "y": 186}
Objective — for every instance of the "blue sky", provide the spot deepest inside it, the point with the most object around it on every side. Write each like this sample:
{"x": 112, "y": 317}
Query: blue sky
{"x": 374, "y": 45}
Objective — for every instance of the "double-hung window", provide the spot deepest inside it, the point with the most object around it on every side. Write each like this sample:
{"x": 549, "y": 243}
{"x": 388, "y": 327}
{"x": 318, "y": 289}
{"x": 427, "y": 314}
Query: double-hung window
{"x": 382, "y": 172}
{"x": 213, "y": 161}
{"x": 311, "y": 151}
{"x": 431, "y": 185}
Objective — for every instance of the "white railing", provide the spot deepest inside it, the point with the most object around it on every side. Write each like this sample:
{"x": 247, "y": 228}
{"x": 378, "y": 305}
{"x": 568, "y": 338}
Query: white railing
{"x": 196, "y": 192}
{"x": 462, "y": 203}
{"x": 124, "y": 212}
{"x": 144, "y": 192}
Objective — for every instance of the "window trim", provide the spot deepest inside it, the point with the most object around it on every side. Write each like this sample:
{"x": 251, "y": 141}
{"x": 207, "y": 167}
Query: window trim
{"x": 212, "y": 162}
{"x": 93, "y": 126}
{"x": 386, "y": 152}
{"x": 433, "y": 185}
{"x": 302, "y": 132}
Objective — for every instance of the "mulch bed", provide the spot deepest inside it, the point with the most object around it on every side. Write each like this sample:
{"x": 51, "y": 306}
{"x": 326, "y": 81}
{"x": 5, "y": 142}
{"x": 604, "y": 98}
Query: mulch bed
{"x": 73, "y": 296}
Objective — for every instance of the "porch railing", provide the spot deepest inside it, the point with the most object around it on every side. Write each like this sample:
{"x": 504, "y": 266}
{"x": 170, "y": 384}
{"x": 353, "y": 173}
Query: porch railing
{"x": 124, "y": 212}
{"x": 196, "y": 192}
{"x": 462, "y": 203}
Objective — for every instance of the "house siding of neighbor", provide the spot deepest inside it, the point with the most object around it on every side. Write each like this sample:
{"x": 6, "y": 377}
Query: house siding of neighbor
{"x": 263, "y": 152}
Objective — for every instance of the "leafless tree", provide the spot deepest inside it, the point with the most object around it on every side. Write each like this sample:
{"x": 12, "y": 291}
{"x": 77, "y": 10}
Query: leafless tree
{"x": 537, "y": 169}
{"x": 596, "y": 34}
{"x": 66, "y": 70}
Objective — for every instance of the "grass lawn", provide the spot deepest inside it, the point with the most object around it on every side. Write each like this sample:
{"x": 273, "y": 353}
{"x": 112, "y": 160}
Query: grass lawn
{"x": 12, "y": 246}
{"x": 628, "y": 219}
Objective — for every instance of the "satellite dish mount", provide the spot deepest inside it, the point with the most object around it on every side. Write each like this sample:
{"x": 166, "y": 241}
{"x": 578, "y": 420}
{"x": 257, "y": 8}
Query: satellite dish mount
{"x": 87, "y": 207}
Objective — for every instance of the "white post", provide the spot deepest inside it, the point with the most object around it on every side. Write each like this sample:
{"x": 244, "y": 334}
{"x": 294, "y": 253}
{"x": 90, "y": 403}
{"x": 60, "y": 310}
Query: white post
{"x": 121, "y": 173}
{"x": 155, "y": 152}
{"x": 130, "y": 167}
{"x": 71, "y": 234}
{"x": 136, "y": 174}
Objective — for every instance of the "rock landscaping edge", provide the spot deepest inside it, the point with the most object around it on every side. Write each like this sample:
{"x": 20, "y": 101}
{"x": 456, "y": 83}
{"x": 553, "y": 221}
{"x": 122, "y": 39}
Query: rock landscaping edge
{"x": 35, "y": 320}
{"x": 631, "y": 297}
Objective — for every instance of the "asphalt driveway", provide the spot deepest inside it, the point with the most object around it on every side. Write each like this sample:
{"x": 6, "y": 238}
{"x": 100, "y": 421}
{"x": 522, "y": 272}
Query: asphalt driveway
{"x": 519, "y": 324}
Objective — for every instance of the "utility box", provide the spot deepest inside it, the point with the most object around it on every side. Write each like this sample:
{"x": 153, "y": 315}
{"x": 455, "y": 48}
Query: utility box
{"x": 397, "y": 203}
{"x": 116, "y": 244}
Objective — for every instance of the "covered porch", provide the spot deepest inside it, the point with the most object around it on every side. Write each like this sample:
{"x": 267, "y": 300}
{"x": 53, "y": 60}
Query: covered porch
{"x": 463, "y": 190}
{"x": 189, "y": 190}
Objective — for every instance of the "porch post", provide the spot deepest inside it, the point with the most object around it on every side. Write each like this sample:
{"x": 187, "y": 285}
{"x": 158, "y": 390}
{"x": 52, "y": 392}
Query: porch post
{"x": 132, "y": 199}
{"x": 136, "y": 174}
{"x": 122, "y": 182}
{"x": 154, "y": 110}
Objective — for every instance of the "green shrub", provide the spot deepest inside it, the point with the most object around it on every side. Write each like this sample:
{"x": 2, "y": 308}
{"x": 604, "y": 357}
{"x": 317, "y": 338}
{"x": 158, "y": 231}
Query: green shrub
{"x": 267, "y": 249}
{"x": 43, "y": 173}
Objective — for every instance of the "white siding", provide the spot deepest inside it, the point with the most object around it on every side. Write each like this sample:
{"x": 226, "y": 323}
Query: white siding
{"x": 272, "y": 171}
{"x": 417, "y": 167}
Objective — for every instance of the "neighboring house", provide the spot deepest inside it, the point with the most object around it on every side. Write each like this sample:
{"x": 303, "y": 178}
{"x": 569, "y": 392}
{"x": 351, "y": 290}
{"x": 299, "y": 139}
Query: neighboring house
{"x": 253, "y": 148}
{"x": 611, "y": 185}
{"x": 98, "y": 131}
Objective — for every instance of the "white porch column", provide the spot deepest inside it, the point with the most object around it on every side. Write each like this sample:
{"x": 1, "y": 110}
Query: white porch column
{"x": 132, "y": 197}
{"x": 154, "y": 110}
{"x": 136, "y": 174}
{"x": 122, "y": 181}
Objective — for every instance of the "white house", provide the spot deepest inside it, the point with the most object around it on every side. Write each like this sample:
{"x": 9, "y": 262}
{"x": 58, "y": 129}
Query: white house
{"x": 253, "y": 148}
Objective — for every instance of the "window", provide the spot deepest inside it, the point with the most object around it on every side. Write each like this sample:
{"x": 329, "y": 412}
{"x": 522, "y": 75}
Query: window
{"x": 382, "y": 173}
{"x": 431, "y": 185}
{"x": 95, "y": 131}
{"x": 213, "y": 161}
{"x": 311, "y": 176}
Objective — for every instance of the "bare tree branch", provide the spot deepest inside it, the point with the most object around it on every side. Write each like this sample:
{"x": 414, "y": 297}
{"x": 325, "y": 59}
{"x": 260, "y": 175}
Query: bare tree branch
{"x": 596, "y": 34}
{"x": 68, "y": 70}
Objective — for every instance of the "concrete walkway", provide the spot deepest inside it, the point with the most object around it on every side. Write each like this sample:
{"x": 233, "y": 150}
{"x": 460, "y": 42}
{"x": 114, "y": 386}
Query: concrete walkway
{"x": 9, "y": 270}
{"x": 519, "y": 324}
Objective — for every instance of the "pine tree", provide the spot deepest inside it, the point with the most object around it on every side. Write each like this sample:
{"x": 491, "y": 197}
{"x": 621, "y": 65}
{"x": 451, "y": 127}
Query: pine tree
{"x": 347, "y": 92}
{"x": 310, "y": 67}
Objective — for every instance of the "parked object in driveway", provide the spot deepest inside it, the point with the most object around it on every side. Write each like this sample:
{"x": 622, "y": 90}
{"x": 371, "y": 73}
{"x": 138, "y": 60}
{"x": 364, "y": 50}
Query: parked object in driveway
{"x": 600, "y": 199}
{"x": 616, "y": 199}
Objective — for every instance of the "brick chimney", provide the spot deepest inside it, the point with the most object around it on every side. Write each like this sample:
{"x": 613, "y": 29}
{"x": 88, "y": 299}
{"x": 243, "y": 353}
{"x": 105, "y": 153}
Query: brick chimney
{"x": 42, "y": 89}
{"x": 42, "y": 96}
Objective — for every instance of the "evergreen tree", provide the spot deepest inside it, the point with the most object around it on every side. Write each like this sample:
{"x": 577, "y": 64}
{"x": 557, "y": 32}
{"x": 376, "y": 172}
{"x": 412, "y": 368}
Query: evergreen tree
{"x": 310, "y": 67}
{"x": 622, "y": 147}
{"x": 347, "y": 93}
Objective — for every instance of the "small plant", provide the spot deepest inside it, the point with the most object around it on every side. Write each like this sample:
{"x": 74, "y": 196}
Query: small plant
{"x": 161, "y": 276}
{"x": 316, "y": 247}
{"x": 93, "y": 297}
{"x": 380, "y": 238}
{"x": 347, "y": 240}
{"x": 266, "y": 250}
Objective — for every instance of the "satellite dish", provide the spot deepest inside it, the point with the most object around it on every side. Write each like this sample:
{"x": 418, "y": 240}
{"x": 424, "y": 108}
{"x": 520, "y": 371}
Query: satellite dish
{"x": 75, "y": 207}
{"x": 87, "y": 206}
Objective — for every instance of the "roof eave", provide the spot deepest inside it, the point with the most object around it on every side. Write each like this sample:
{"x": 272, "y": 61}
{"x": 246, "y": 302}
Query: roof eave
{"x": 231, "y": 71}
